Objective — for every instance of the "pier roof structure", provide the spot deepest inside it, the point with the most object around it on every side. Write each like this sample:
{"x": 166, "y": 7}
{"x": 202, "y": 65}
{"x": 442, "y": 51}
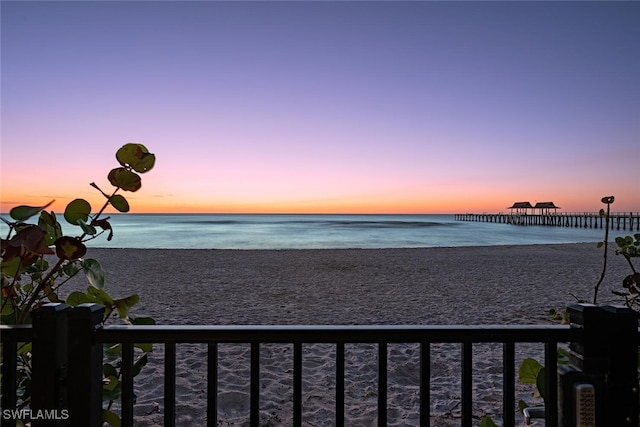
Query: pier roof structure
{"x": 546, "y": 207}
{"x": 521, "y": 206}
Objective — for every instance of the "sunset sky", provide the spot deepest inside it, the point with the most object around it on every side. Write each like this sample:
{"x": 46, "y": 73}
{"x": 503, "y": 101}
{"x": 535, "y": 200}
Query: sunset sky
{"x": 303, "y": 106}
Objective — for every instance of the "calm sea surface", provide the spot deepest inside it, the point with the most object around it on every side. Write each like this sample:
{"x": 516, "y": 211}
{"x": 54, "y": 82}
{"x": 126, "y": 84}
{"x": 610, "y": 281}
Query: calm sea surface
{"x": 221, "y": 231}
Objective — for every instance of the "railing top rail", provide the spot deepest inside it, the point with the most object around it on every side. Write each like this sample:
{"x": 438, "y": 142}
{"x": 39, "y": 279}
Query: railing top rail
{"x": 16, "y": 333}
{"x": 336, "y": 333}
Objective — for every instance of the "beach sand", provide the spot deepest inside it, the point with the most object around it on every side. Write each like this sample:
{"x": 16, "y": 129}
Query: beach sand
{"x": 463, "y": 285}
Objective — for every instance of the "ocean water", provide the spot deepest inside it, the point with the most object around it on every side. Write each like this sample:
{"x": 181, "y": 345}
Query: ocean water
{"x": 222, "y": 231}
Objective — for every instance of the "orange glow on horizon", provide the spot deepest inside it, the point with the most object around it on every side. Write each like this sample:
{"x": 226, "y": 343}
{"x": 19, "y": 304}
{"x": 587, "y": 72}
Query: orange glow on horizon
{"x": 140, "y": 203}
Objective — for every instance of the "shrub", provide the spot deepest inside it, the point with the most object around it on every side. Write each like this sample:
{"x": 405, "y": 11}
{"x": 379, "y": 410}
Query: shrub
{"x": 38, "y": 259}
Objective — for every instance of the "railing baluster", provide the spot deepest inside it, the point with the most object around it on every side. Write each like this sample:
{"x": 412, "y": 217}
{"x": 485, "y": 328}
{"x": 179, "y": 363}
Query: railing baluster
{"x": 297, "y": 384}
{"x": 212, "y": 384}
{"x": 127, "y": 385}
{"x": 9, "y": 375}
{"x": 340, "y": 384}
{"x": 508, "y": 385}
{"x": 254, "y": 409}
{"x": 382, "y": 384}
{"x": 467, "y": 380}
{"x": 170, "y": 384}
{"x": 425, "y": 383}
{"x": 551, "y": 389}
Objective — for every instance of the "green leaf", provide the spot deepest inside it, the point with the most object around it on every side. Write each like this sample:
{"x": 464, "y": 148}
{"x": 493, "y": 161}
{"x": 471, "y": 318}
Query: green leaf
{"x": 78, "y": 209}
{"x": 125, "y": 179}
{"x": 112, "y": 351}
{"x": 119, "y": 202}
{"x": 69, "y": 248}
{"x": 24, "y": 212}
{"x": 12, "y": 267}
{"x": 51, "y": 226}
{"x": 105, "y": 225}
{"x": 108, "y": 370}
{"x": 142, "y": 321}
{"x": 101, "y": 296}
{"x": 70, "y": 268}
{"x": 123, "y": 305}
{"x": 136, "y": 156}
{"x": 522, "y": 405}
{"x": 563, "y": 356}
{"x": 487, "y": 422}
{"x": 86, "y": 228}
{"x": 528, "y": 372}
{"x": 7, "y": 310}
{"x": 140, "y": 363}
{"x": 76, "y": 298}
{"x": 110, "y": 418}
{"x": 94, "y": 272}
{"x": 111, "y": 384}
{"x": 145, "y": 347}
{"x": 541, "y": 383}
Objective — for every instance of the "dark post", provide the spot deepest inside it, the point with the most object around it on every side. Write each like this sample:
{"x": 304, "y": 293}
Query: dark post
{"x": 49, "y": 365}
{"x": 622, "y": 378}
{"x": 603, "y": 372}
{"x": 9, "y": 376}
{"x": 85, "y": 365}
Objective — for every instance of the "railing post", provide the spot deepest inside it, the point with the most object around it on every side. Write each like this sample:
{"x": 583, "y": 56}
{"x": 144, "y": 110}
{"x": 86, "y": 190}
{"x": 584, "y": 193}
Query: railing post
{"x": 622, "y": 378}
{"x": 49, "y": 365}
{"x": 604, "y": 366}
{"x": 85, "y": 365}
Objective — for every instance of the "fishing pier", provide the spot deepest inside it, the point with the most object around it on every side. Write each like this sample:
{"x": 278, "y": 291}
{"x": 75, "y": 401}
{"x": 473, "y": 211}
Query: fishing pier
{"x": 617, "y": 221}
{"x": 546, "y": 213}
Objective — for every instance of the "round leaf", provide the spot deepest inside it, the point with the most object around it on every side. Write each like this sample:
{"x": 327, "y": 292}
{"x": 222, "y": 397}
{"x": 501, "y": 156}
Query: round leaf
{"x": 528, "y": 372}
{"x": 125, "y": 179}
{"x": 76, "y": 298}
{"x": 136, "y": 156}
{"x": 119, "y": 202}
{"x": 93, "y": 271}
{"x": 78, "y": 209}
{"x": 69, "y": 248}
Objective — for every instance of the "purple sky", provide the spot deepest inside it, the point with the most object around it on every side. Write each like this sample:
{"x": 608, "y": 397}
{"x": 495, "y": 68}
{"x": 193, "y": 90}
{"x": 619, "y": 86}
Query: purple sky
{"x": 325, "y": 106}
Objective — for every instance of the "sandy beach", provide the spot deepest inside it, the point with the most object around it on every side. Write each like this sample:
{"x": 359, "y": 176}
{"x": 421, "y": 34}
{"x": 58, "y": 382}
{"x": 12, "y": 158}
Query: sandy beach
{"x": 463, "y": 285}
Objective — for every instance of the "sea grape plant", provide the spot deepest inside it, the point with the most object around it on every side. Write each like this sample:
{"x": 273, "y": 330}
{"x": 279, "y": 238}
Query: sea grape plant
{"x": 629, "y": 248}
{"x": 38, "y": 259}
{"x": 531, "y": 371}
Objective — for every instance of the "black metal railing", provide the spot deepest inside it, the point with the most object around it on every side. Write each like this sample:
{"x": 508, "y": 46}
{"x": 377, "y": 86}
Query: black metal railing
{"x": 76, "y": 337}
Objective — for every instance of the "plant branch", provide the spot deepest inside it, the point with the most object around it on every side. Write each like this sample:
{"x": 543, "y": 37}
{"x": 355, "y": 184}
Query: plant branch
{"x": 606, "y": 249}
{"x": 39, "y": 288}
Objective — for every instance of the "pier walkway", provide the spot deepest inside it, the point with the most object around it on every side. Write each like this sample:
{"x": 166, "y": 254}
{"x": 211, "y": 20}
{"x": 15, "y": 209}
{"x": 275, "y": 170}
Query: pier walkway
{"x": 617, "y": 221}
